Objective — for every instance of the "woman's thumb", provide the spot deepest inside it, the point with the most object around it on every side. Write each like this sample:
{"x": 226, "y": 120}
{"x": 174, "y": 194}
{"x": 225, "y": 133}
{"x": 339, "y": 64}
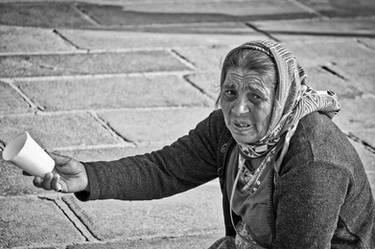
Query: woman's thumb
{"x": 59, "y": 159}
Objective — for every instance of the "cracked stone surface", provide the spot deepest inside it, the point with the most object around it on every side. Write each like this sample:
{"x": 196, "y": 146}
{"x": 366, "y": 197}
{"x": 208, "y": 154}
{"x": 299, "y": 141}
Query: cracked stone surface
{"x": 44, "y": 14}
{"x": 184, "y": 242}
{"x": 156, "y": 37}
{"x": 108, "y": 153}
{"x": 173, "y": 216}
{"x": 357, "y": 116}
{"x": 285, "y": 29}
{"x": 141, "y": 14}
{"x": 112, "y": 92}
{"x": 157, "y": 125}
{"x": 26, "y": 39}
{"x": 57, "y": 130}
{"x": 86, "y": 64}
{"x": 32, "y": 222}
{"x": 11, "y": 101}
{"x": 13, "y": 183}
{"x": 328, "y": 51}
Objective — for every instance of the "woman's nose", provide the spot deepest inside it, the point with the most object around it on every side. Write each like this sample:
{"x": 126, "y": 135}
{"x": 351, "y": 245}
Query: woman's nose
{"x": 241, "y": 106}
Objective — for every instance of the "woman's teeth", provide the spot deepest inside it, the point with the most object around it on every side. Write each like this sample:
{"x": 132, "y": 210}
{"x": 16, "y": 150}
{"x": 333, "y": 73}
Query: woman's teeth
{"x": 242, "y": 124}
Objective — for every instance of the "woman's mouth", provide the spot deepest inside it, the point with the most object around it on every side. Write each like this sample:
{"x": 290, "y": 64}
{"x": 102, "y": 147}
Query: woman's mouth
{"x": 242, "y": 126}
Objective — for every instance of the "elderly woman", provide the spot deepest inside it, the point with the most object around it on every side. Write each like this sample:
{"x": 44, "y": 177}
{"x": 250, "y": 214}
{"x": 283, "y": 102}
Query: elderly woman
{"x": 289, "y": 177}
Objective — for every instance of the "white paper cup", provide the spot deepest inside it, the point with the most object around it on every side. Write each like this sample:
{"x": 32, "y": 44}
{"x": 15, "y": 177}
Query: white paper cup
{"x": 24, "y": 152}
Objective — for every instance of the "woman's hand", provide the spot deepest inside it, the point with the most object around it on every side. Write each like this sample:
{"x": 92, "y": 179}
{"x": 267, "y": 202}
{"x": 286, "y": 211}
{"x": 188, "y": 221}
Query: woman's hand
{"x": 68, "y": 176}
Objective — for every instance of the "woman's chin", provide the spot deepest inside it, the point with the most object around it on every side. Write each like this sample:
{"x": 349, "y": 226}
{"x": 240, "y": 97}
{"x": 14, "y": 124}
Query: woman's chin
{"x": 244, "y": 139}
{"x": 244, "y": 135}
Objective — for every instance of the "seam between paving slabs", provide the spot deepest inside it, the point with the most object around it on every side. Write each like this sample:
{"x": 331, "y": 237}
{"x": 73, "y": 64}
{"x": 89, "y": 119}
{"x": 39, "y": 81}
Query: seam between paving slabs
{"x": 109, "y": 128}
{"x": 71, "y": 215}
{"x": 182, "y": 58}
{"x": 85, "y": 15}
{"x": 93, "y": 51}
{"x": 252, "y": 26}
{"x": 350, "y": 135}
{"x": 99, "y": 76}
{"x": 333, "y": 72}
{"x": 357, "y": 139}
{"x": 308, "y": 9}
{"x": 186, "y": 78}
{"x": 84, "y": 111}
{"x": 165, "y": 236}
{"x": 55, "y": 31}
{"x": 364, "y": 44}
{"x": 25, "y": 98}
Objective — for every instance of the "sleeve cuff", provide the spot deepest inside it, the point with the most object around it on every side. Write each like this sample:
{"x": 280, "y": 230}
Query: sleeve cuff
{"x": 93, "y": 191}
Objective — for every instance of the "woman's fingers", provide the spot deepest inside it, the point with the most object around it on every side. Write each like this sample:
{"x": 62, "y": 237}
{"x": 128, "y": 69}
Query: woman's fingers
{"x": 55, "y": 183}
{"x": 47, "y": 180}
{"x": 38, "y": 181}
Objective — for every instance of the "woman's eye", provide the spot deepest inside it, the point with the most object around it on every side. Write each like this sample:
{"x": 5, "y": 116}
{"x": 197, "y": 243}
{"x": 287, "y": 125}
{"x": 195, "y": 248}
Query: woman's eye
{"x": 230, "y": 93}
{"x": 255, "y": 97}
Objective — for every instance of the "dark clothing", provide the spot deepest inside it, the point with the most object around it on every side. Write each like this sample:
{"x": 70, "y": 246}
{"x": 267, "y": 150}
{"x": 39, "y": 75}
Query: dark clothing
{"x": 255, "y": 209}
{"x": 321, "y": 198}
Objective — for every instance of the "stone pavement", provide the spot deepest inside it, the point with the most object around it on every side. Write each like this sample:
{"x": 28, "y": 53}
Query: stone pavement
{"x": 99, "y": 80}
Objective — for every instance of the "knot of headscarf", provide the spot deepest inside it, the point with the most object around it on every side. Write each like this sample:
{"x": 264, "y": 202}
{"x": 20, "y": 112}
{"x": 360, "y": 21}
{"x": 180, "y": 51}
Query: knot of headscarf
{"x": 294, "y": 99}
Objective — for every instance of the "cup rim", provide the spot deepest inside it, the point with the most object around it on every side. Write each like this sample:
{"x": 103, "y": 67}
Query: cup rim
{"x": 12, "y": 148}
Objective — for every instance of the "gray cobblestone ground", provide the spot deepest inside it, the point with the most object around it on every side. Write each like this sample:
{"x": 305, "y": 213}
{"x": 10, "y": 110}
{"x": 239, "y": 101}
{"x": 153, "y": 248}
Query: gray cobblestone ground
{"x": 99, "y": 80}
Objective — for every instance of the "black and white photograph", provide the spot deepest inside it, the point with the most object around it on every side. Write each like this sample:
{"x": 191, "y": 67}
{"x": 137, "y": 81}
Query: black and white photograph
{"x": 189, "y": 124}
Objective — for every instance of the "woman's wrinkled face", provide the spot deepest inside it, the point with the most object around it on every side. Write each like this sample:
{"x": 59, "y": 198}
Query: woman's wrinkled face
{"x": 246, "y": 100}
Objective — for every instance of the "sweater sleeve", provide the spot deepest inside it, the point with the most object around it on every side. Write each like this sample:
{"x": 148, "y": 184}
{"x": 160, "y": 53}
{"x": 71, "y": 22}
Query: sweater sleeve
{"x": 309, "y": 198}
{"x": 187, "y": 163}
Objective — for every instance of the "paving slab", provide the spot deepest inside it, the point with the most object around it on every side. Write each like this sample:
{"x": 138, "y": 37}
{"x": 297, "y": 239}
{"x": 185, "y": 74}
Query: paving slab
{"x": 321, "y": 79}
{"x": 336, "y": 27}
{"x": 184, "y": 12}
{"x": 192, "y": 212}
{"x": 31, "y": 40}
{"x": 11, "y": 101}
{"x": 357, "y": 117}
{"x": 89, "y": 63}
{"x": 328, "y": 51}
{"x": 109, "y": 154}
{"x": 332, "y": 8}
{"x": 209, "y": 82}
{"x": 186, "y": 242}
{"x": 13, "y": 183}
{"x": 112, "y": 92}
{"x": 360, "y": 73}
{"x": 169, "y": 36}
{"x": 229, "y": 31}
{"x": 206, "y": 59}
{"x": 55, "y": 131}
{"x": 41, "y": 14}
{"x": 370, "y": 43}
{"x": 239, "y": 9}
{"x": 164, "y": 125}
{"x": 30, "y": 221}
